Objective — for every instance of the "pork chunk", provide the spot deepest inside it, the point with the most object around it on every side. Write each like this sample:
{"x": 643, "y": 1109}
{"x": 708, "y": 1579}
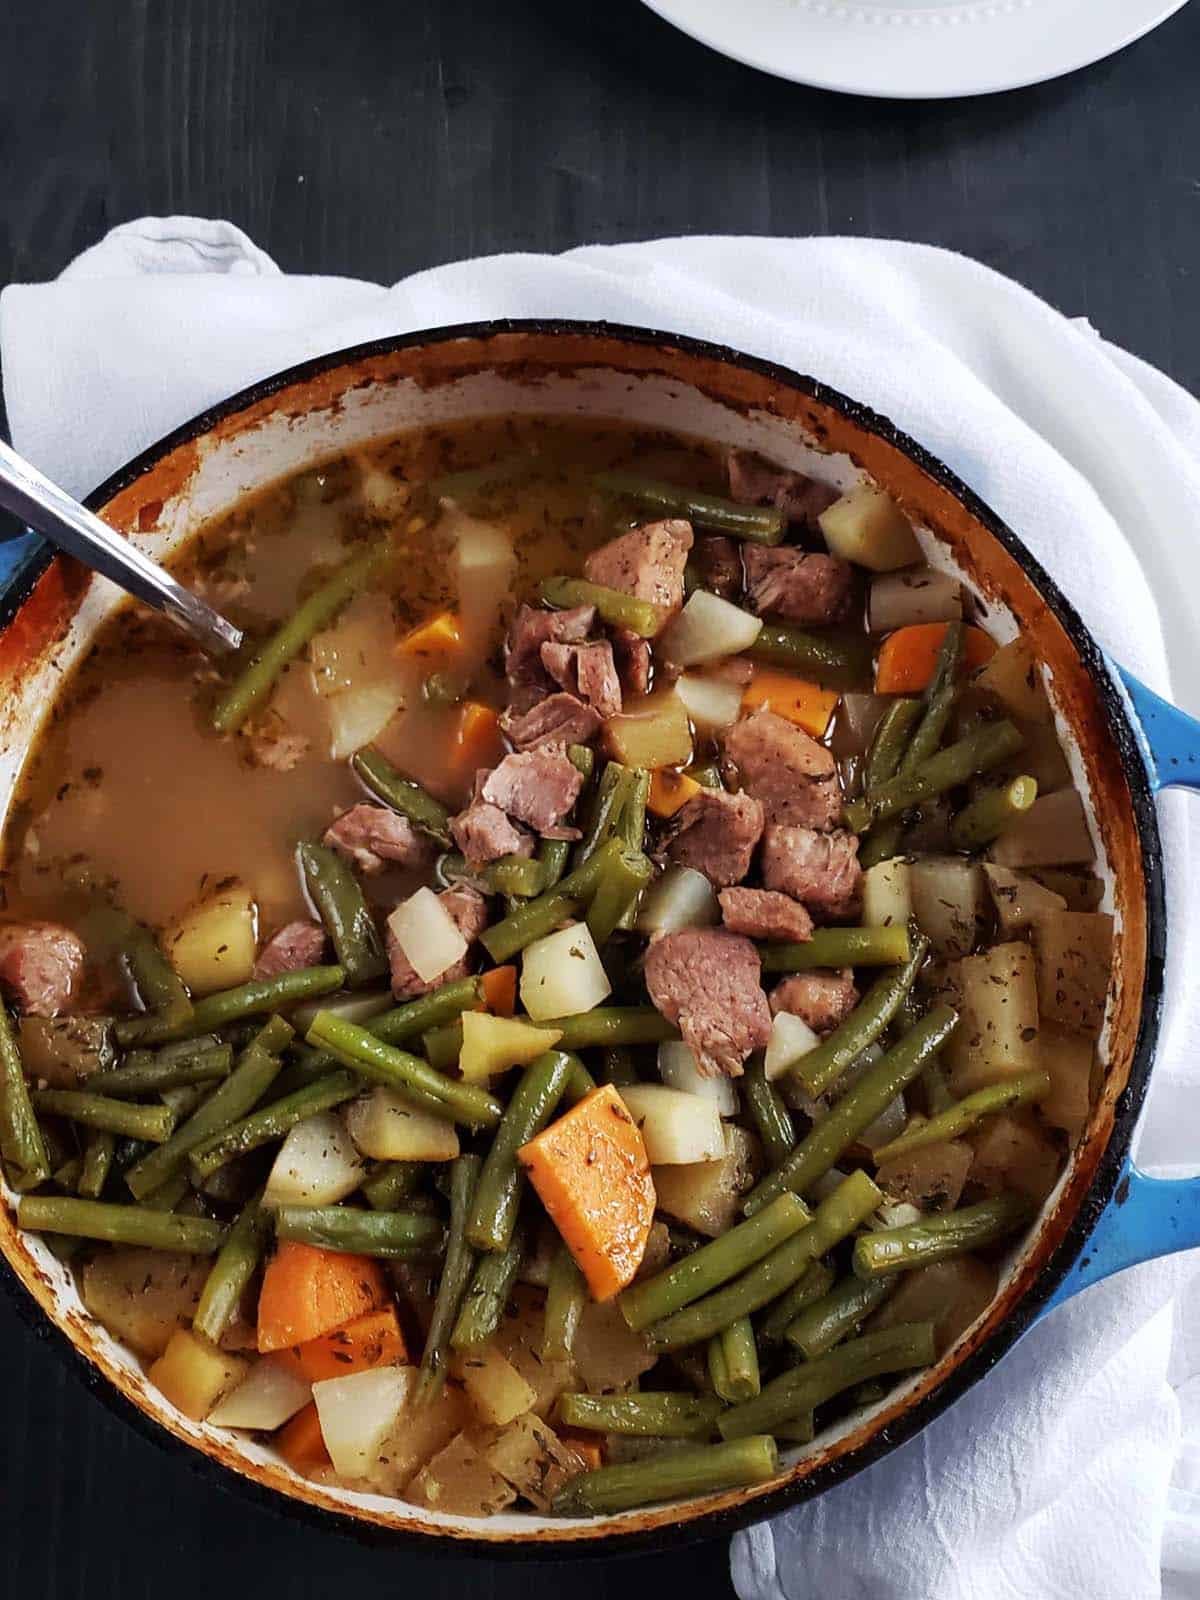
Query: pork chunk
{"x": 587, "y": 671}
{"x": 532, "y": 628}
{"x": 369, "y": 836}
{"x": 823, "y": 998}
{"x": 719, "y": 564}
{"x": 821, "y": 869}
{"x": 632, "y": 656}
{"x": 809, "y": 590}
{"x": 715, "y": 833}
{"x": 469, "y": 910}
{"x": 559, "y": 719}
{"x": 794, "y": 776}
{"x": 708, "y": 982}
{"x": 40, "y": 965}
{"x": 290, "y": 949}
{"x": 538, "y": 787}
{"x": 757, "y": 482}
{"x": 483, "y": 832}
{"x": 764, "y": 914}
{"x": 646, "y": 562}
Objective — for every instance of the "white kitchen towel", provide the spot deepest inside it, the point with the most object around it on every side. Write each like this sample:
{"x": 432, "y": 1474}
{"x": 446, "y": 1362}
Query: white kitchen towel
{"x": 1065, "y": 1473}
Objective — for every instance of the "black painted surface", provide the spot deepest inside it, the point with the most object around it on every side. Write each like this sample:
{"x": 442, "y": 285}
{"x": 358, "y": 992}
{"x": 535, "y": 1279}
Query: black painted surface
{"x": 372, "y": 140}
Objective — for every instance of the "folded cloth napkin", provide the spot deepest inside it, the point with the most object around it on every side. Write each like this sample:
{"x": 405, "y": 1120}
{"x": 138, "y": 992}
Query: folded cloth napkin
{"x": 1066, "y": 1472}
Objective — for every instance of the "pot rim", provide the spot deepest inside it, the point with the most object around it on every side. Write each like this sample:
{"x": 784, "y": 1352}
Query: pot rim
{"x": 725, "y": 1521}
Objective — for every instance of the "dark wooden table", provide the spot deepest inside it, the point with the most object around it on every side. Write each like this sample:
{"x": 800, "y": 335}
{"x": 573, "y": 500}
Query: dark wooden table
{"x": 374, "y": 139}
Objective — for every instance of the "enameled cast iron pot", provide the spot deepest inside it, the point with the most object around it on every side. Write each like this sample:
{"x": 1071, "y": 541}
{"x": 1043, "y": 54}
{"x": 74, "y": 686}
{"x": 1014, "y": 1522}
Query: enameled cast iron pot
{"x": 1124, "y": 744}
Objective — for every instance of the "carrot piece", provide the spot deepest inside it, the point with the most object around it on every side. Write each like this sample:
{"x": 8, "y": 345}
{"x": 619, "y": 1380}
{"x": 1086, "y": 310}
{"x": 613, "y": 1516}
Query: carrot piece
{"x": 301, "y": 1443}
{"x": 806, "y": 704}
{"x": 907, "y": 658}
{"x": 586, "y": 1445}
{"x": 435, "y": 642}
{"x": 592, "y": 1174}
{"x": 669, "y": 790}
{"x": 476, "y": 739}
{"x": 500, "y": 991}
{"x": 371, "y": 1341}
{"x": 307, "y": 1291}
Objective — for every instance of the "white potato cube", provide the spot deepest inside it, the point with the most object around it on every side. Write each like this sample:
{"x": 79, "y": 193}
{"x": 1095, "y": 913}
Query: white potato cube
{"x": 266, "y": 1398}
{"x": 678, "y": 1070}
{"x": 562, "y": 974}
{"x": 317, "y": 1164}
{"x": 791, "y": 1038}
{"x": 887, "y": 900}
{"x": 707, "y": 629}
{"x": 358, "y": 1411}
{"x": 710, "y": 702}
{"x": 214, "y": 943}
{"x": 387, "y": 1127}
{"x": 428, "y": 935}
{"x": 676, "y": 1128}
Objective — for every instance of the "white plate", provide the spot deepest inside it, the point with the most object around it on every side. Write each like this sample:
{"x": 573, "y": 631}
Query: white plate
{"x": 916, "y": 49}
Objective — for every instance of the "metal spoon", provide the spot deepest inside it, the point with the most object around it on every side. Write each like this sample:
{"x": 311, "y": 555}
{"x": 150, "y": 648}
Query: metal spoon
{"x": 50, "y": 511}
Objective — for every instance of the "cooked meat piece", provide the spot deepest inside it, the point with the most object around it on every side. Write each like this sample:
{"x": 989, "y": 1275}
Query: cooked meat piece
{"x": 370, "y": 835}
{"x": 483, "y": 832}
{"x": 716, "y": 834}
{"x": 469, "y": 910}
{"x": 647, "y": 562}
{"x": 587, "y": 671}
{"x": 793, "y": 775}
{"x": 531, "y": 629}
{"x": 801, "y": 588}
{"x": 538, "y": 787}
{"x": 819, "y": 868}
{"x": 756, "y": 482}
{"x": 717, "y": 561}
{"x": 632, "y": 655}
{"x": 708, "y": 982}
{"x": 764, "y": 914}
{"x": 269, "y": 742}
{"x": 822, "y": 998}
{"x": 559, "y": 719}
{"x": 295, "y": 946}
{"x": 40, "y": 964}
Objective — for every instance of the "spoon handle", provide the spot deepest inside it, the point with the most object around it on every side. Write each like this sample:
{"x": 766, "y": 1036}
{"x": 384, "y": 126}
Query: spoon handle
{"x": 52, "y": 512}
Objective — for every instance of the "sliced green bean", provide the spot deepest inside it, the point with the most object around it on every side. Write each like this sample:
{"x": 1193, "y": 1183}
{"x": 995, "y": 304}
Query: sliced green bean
{"x": 583, "y": 758}
{"x": 68, "y": 1175}
{"x": 513, "y": 875}
{"x": 835, "y": 1317}
{"x": 159, "y": 986}
{"x": 552, "y": 858}
{"x": 443, "y": 1046}
{"x": 487, "y": 1294}
{"x": 342, "y": 906}
{"x": 93, "y": 1219}
{"x": 566, "y": 1296}
{"x": 617, "y": 894}
{"x": 392, "y": 1183}
{"x": 604, "y": 811}
{"x": 857, "y": 1109}
{"x": 795, "y": 1393}
{"x": 705, "y": 1469}
{"x": 400, "y": 1235}
{"x": 963, "y": 1115}
{"x": 821, "y": 1067}
{"x": 977, "y": 752}
{"x": 890, "y": 742}
{"x": 618, "y": 609}
{"x": 152, "y": 1123}
{"x": 168, "y": 1195}
{"x": 536, "y": 918}
{"x": 800, "y": 1429}
{"x": 618, "y": 1068}
{"x": 97, "y": 1163}
{"x": 21, "y": 1141}
{"x": 402, "y": 794}
{"x": 937, "y": 1238}
{"x": 663, "y": 1415}
{"x": 778, "y": 1318}
{"x": 835, "y": 657}
{"x": 154, "y": 1074}
{"x": 456, "y": 1274}
{"x": 498, "y": 1193}
{"x": 840, "y": 947}
{"x": 236, "y": 1263}
{"x": 580, "y": 1082}
{"x": 368, "y": 1055}
{"x": 253, "y": 999}
{"x": 758, "y": 524}
{"x": 271, "y": 1122}
{"x": 258, "y": 678}
{"x": 608, "y": 1026}
{"x": 733, "y": 1362}
{"x": 768, "y": 1113}
{"x": 991, "y": 812}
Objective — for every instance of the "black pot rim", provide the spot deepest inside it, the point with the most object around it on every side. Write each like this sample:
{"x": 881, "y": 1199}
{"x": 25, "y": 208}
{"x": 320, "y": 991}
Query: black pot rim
{"x": 723, "y": 1523}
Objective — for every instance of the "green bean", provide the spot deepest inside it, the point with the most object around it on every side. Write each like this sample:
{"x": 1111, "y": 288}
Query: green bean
{"x": 270, "y": 1123}
{"x": 714, "y": 1264}
{"x": 536, "y": 918}
{"x": 937, "y": 1238}
{"x": 794, "y": 1393}
{"x": 257, "y": 679}
{"x": 428, "y": 1011}
{"x": 391, "y": 1184}
{"x": 888, "y": 745}
{"x": 154, "y": 1074}
{"x": 97, "y": 1162}
{"x": 857, "y": 1109}
{"x": 152, "y": 1123}
{"x": 706, "y": 1469}
{"x": 354, "y": 1007}
{"x": 566, "y": 1296}
{"x": 339, "y": 899}
{"x": 68, "y": 1175}
{"x": 632, "y": 822}
{"x": 606, "y": 1026}
{"x": 487, "y": 1294}
{"x": 184, "y": 1101}
{"x": 840, "y": 947}
{"x": 256, "y": 1070}
{"x": 402, "y": 794}
{"x": 168, "y": 1195}
{"x": 815, "y": 1283}
{"x": 605, "y": 809}
{"x": 552, "y": 858}
{"x": 456, "y": 1274}
{"x": 800, "y": 1429}
{"x": 580, "y": 1082}
{"x": 733, "y": 1362}
{"x": 583, "y": 758}
{"x": 619, "y": 610}
{"x": 991, "y": 812}
{"x": 617, "y": 894}
{"x": 837, "y": 1216}
{"x": 93, "y": 1219}
{"x": 618, "y": 1068}
{"x": 397, "y": 1235}
{"x": 821, "y": 1067}
{"x": 236, "y": 1263}
{"x": 936, "y": 1087}
{"x": 836, "y": 1316}
{"x": 443, "y": 1046}
{"x": 253, "y": 999}
{"x": 768, "y": 1113}
{"x": 498, "y": 1194}
{"x": 662, "y": 1415}
{"x": 159, "y": 986}
{"x": 977, "y": 752}
{"x": 515, "y": 875}
{"x": 835, "y": 657}
{"x": 963, "y": 1115}
{"x": 368, "y": 1055}
{"x": 21, "y": 1141}
{"x": 758, "y": 524}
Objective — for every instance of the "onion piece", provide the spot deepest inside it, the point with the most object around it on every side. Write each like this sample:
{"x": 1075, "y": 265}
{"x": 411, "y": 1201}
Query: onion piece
{"x": 899, "y": 599}
{"x": 677, "y": 1129}
{"x": 888, "y": 1125}
{"x": 707, "y": 629}
{"x": 266, "y": 1398}
{"x": 791, "y": 1038}
{"x": 680, "y": 898}
{"x": 678, "y": 1070}
{"x": 710, "y": 702}
{"x": 562, "y": 974}
{"x": 427, "y": 934}
{"x": 317, "y": 1164}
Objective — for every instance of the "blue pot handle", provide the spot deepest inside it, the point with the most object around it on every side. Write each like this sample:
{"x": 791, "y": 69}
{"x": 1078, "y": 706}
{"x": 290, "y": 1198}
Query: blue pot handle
{"x": 1146, "y": 1217}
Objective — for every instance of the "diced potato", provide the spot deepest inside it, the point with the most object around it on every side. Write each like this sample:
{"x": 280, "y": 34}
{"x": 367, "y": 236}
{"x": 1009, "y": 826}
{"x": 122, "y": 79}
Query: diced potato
{"x": 887, "y": 898}
{"x": 710, "y": 702}
{"x": 657, "y": 1253}
{"x": 530, "y": 1456}
{"x": 1015, "y": 678}
{"x": 382, "y": 495}
{"x": 706, "y": 1195}
{"x": 1012, "y": 1152}
{"x": 358, "y": 1412}
{"x": 387, "y": 1127}
{"x": 950, "y": 1294}
{"x": 1068, "y": 1058}
{"x": 932, "y": 1177}
{"x": 707, "y": 629}
{"x": 416, "y": 1436}
{"x": 1074, "y": 967}
{"x": 427, "y": 934}
{"x": 1052, "y": 833}
{"x": 519, "y": 1337}
{"x": 65, "y": 1050}
{"x": 678, "y": 1070}
{"x": 1078, "y": 886}
{"x": 267, "y": 1397}
{"x": 562, "y": 974}
{"x": 357, "y": 650}
{"x": 484, "y": 562}
{"x": 1018, "y": 899}
{"x": 949, "y": 902}
{"x": 359, "y": 716}
{"x": 494, "y": 1387}
{"x": 317, "y": 1164}
{"x": 1041, "y": 756}
{"x": 492, "y": 1045}
{"x": 651, "y": 732}
{"x": 143, "y": 1296}
{"x": 791, "y": 1039}
{"x": 997, "y": 1032}
{"x": 867, "y": 526}
{"x": 214, "y": 943}
{"x": 900, "y": 599}
{"x": 680, "y": 898}
{"x": 194, "y": 1374}
{"x": 608, "y": 1353}
{"x": 677, "y": 1128}
{"x": 460, "y": 1481}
